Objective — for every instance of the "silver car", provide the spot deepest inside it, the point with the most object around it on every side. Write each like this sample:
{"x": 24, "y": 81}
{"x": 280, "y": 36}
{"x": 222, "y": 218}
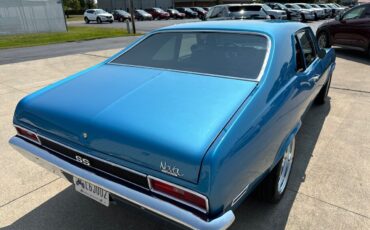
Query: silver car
{"x": 307, "y": 15}
{"x": 319, "y": 13}
{"x": 274, "y": 14}
{"x": 327, "y": 11}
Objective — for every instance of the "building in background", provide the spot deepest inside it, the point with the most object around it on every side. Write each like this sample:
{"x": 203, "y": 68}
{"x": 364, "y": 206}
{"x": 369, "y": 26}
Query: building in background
{"x": 31, "y": 16}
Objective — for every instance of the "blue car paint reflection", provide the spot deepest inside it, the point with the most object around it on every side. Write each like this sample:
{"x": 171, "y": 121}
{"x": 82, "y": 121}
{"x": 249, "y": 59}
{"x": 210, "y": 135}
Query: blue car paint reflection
{"x": 252, "y": 123}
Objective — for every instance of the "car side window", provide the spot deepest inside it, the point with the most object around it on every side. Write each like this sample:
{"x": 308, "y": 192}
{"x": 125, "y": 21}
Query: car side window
{"x": 300, "y": 66}
{"x": 367, "y": 12}
{"x": 224, "y": 12}
{"x": 188, "y": 43}
{"x": 355, "y": 13}
{"x": 167, "y": 51}
{"x": 306, "y": 44}
{"x": 216, "y": 12}
{"x": 210, "y": 12}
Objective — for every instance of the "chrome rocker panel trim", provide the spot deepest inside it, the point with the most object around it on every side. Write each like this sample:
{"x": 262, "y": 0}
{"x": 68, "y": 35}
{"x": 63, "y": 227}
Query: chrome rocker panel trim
{"x": 155, "y": 205}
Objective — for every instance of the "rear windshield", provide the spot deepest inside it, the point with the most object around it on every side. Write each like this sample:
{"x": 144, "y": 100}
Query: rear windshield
{"x": 217, "y": 53}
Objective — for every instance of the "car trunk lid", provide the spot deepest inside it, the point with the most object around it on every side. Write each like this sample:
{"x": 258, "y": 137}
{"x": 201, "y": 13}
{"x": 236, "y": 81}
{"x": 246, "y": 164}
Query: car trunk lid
{"x": 158, "y": 119}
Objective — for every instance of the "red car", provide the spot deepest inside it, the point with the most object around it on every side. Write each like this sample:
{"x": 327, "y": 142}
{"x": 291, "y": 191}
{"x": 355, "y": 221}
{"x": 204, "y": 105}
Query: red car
{"x": 350, "y": 30}
{"x": 201, "y": 12}
{"x": 175, "y": 14}
{"x": 158, "y": 13}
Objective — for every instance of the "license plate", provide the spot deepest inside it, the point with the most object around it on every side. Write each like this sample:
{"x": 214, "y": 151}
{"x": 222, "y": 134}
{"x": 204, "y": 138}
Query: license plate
{"x": 92, "y": 191}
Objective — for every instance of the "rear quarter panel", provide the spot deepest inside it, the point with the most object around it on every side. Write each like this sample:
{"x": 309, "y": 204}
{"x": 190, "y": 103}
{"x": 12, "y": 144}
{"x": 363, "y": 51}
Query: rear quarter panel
{"x": 248, "y": 146}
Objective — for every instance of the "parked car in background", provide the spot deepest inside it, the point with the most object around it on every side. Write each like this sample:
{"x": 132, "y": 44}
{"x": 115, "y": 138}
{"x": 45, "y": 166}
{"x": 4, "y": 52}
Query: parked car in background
{"x": 158, "y": 13}
{"x": 292, "y": 14}
{"x": 97, "y": 15}
{"x": 274, "y": 14}
{"x": 236, "y": 11}
{"x": 307, "y": 15}
{"x": 142, "y": 15}
{"x": 336, "y": 9}
{"x": 343, "y": 8}
{"x": 319, "y": 13}
{"x": 350, "y": 30}
{"x": 185, "y": 123}
{"x": 189, "y": 13}
{"x": 175, "y": 14}
{"x": 121, "y": 15}
{"x": 327, "y": 12}
{"x": 201, "y": 12}
{"x": 207, "y": 8}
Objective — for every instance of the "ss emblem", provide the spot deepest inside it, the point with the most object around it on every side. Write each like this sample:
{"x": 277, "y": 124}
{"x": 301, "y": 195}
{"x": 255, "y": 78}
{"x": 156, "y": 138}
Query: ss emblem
{"x": 83, "y": 160}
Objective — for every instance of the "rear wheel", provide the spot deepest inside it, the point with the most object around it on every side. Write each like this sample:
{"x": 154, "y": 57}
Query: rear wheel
{"x": 303, "y": 18}
{"x": 323, "y": 39}
{"x": 274, "y": 185}
{"x": 120, "y": 19}
{"x": 87, "y": 21}
{"x": 98, "y": 20}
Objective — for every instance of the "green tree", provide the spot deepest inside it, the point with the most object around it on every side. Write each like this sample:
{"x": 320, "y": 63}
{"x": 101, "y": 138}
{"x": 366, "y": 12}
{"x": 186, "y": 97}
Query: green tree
{"x": 90, "y": 4}
{"x": 71, "y": 5}
{"x": 83, "y": 4}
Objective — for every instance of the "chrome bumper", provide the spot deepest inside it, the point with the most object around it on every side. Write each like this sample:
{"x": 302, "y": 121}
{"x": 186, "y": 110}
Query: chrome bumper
{"x": 160, "y": 207}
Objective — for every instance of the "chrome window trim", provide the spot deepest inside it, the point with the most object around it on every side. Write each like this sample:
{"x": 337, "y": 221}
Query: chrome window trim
{"x": 261, "y": 73}
{"x": 174, "y": 198}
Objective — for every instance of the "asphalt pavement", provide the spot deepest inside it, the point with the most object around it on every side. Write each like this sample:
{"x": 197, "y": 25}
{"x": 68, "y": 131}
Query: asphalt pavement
{"x": 56, "y": 50}
{"x": 141, "y": 26}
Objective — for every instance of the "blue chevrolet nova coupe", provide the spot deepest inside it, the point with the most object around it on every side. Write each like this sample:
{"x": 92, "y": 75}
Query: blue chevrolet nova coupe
{"x": 185, "y": 122}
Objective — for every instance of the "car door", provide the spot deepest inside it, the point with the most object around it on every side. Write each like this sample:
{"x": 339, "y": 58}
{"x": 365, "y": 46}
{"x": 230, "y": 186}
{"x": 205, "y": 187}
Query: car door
{"x": 94, "y": 15}
{"x": 309, "y": 70}
{"x": 89, "y": 14}
{"x": 351, "y": 29}
{"x": 216, "y": 13}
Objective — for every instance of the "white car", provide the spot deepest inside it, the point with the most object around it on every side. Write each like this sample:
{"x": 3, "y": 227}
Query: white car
{"x": 97, "y": 15}
{"x": 319, "y": 13}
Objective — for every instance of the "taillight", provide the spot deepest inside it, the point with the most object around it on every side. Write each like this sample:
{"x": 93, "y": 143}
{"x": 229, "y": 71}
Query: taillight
{"x": 27, "y": 134}
{"x": 179, "y": 194}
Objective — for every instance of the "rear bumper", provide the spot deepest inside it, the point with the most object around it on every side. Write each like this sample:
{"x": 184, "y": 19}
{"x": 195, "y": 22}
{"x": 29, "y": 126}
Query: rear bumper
{"x": 153, "y": 204}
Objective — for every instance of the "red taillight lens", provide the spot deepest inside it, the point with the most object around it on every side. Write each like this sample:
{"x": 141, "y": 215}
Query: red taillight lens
{"x": 180, "y": 194}
{"x": 27, "y": 134}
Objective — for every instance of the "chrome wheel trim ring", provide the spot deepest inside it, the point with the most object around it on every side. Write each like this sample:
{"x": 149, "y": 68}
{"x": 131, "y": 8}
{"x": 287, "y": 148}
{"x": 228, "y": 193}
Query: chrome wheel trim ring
{"x": 286, "y": 166}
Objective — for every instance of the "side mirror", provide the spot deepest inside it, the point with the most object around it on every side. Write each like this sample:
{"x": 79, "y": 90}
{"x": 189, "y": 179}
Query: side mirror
{"x": 321, "y": 54}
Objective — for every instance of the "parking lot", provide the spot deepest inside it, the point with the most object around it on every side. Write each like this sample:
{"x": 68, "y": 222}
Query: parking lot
{"x": 329, "y": 187}
{"x": 141, "y": 26}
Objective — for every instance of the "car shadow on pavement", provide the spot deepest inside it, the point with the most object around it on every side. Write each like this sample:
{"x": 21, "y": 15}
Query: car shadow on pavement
{"x": 71, "y": 210}
{"x": 353, "y": 55}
